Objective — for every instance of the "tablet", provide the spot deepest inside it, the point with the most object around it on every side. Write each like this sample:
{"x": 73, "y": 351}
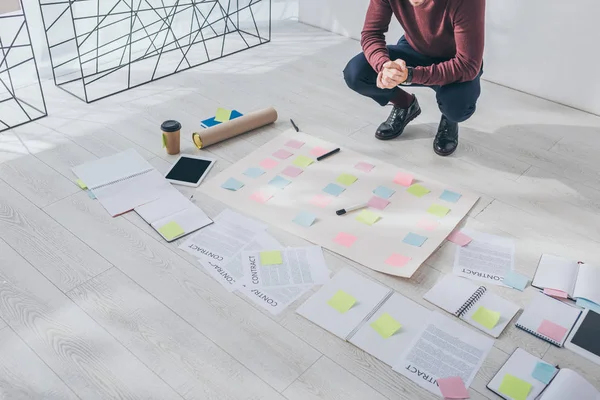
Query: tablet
{"x": 584, "y": 338}
{"x": 189, "y": 170}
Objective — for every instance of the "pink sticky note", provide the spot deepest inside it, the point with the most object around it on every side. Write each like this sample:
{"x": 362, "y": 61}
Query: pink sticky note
{"x": 282, "y": 154}
{"x": 378, "y": 203}
{"x": 261, "y": 197}
{"x": 397, "y": 260}
{"x": 552, "y": 330}
{"x": 363, "y": 166}
{"x": 345, "y": 239}
{"x": 404, "y": 179}
{"x": 318, "y": 151}
{"x": 428, "y": 224}
{"x": 556, "y": 293}
{"x": 321, "y": 200}
{"x": 459, "y": 238}
{"x": 296, "y": 144}
{"x": 292, "y": 171}
{"x": 268, "y": 163}
{"x": 453, "y": 388}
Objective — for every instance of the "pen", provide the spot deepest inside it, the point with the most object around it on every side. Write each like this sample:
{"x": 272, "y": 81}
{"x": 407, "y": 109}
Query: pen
{"x": 349, "y": 209}
{"x": 332, "y": 152}
{"x": 295, "y": 126}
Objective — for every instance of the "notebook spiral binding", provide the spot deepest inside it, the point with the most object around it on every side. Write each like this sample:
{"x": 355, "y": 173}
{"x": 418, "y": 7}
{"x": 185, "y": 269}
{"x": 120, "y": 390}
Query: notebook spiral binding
{"x": 539, "y": 335}
{"x": 471, "y": 301}
{"x": 122, "y": 179}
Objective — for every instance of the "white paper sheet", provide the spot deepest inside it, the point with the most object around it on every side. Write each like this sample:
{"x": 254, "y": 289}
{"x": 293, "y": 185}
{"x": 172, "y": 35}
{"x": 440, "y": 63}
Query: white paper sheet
{"x": 570, "y": 385}
{"x": 488, "y": 258}
{"x": 443, "y": 349}
{"x": 274, "y": 300}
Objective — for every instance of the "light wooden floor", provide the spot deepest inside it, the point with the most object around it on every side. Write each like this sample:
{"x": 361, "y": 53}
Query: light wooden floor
{"x": 98, "y": 308}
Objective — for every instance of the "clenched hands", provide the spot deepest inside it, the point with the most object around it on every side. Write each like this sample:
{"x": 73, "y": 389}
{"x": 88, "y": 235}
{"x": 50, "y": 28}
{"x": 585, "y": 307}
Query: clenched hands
{"x": 393, "y": 74}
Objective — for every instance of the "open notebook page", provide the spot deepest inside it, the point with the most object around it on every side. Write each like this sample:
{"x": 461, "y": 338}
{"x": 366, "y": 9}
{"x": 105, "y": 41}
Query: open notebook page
{"x": 495, "y": 303}
{"x": 521, "y": 365}
{"x": 556, "y": 273}
{"x": 109, "y": 169}
{"x": 170, "y": 201}
{"x": 570, "y": 385}
{"x": 451, "y": 293}
{"x": 588, "y": 283}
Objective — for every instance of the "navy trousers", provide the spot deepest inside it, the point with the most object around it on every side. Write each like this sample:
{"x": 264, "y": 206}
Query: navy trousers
{"x": 457, "y": 101}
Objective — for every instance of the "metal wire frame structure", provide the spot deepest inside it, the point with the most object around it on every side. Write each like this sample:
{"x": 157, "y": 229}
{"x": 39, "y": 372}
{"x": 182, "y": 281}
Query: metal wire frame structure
{"x": 99, "y": 48}
{"x": 21, "y": 95}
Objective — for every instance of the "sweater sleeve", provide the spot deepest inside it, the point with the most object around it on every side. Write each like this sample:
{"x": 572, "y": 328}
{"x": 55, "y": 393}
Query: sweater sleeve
{"x": 372, "y": 40}
{"x": 469, "y": 34}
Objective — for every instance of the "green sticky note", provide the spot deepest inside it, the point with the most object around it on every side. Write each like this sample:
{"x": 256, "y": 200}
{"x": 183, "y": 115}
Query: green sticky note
{"x": 271, "y": 257}
{"x": 341, "y": 301}
{"x": 164, "y": 139}
{"x": 368, "y": 217}
{"x": 303, "y": 161}
{"x": 515, "y": 388}
{"x": 171, "y": 230}
{"x": 486, "y": 317}
{"x": 222, "y": 115}
{"x": 346, "y": 179}
{"x": 418, "y": 190}
{"x": 437, "y": 210}
{"x": 81, "y": 184}
{"x": 386, "y": 325}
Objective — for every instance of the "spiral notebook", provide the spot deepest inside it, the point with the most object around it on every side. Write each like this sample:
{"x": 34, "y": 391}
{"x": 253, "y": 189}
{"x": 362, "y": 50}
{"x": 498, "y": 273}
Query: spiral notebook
{"x": 472, "y": 303}
{"x": 549, "y": 319}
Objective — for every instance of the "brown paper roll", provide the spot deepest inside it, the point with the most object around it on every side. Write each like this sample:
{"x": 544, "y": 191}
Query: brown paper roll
{"x": 235, "y": 127}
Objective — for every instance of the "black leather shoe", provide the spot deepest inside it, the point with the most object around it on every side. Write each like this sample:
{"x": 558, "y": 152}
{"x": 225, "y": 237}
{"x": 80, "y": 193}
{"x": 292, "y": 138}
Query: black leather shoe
{"x": 397, "y": 121}
{"x": 446, "y": 140}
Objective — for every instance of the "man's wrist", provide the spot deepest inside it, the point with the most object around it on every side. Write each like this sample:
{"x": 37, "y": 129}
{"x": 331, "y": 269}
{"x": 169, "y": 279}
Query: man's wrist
{"x": 409, "y": 77}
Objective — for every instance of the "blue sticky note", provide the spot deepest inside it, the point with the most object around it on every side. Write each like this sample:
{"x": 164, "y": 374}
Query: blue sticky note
{"x": 254, "y": 172}
{"x": 279, "y": 182}
{"x": 207, "y": 123}
{"x": 450, "y": 196}
{"x": 333, "y": 189}
{"x": 235, "y": 114}
{"x": 232, "y": 184}
{"x": 91, "y": 195}
{"x": 543, "y": 372}
{"x": 581, "y": 302}
{"x": 415, "y": 240}
{"x": 515, "y": 280}
{"x": 305, "y": 218}
{"x": 384, "y": 192}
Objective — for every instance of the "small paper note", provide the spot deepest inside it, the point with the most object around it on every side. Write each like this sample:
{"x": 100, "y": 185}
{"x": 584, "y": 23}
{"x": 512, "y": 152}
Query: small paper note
{"x": 486, "y": 317}
{"x": 282, "y": 154}
{"x": 384, "y": 192}
{"x": 397, "y": 260}
{"x": 303, "y": 161}
{"x": 345, "y": 239}
{"x": 418, "y": 190}
{"x": 368, "y": 217}
{"x": 333, "y": 189}
{"x": 210, "y": 122}
{"x": 91, "y": 195}
{"x": 171, "y": 230}
{"x": 222, "y": 115}
{"x": 459, "y": 238}
{"x": 305, "y": 218}
{"x": 438, "y": 210}
{"x": 81, "y": 184}
{"x": 164, "y": 140}
{"x": 404, "y": 179}
{"x": 346, "y": 179}
{"x": 414, "y": 240}
{"x": 365, "y": 167}
{"x": 543, "y": 372}
{"x": 386, "y": 325}
{"x": 427, "y": 224}
{"x": 378, "y": 203}
{"x": 451, "y": 197}
{"x": 271, "y": 257}
{"x": 254, "y": 172}
{"x": 268, "y": 163}
{"x": 559, "y": 294}
{"x": 318, "y": 151}
{"x": 453, "y": 388}
{"x": 342, "y": 301}
{"x": 584, "y": 303}
{"x": 320, "y": 200}
{"x": 295, "y": 144}
{"x": 515, "y": 388}
{"x": 292, "y": 172}
{"x": 515, "y": 280}
{"x": 552, "y": 330}
{"x": 232, "y": 184}
{"x": 279, "y": 182}
{"x": 261, "y": 197}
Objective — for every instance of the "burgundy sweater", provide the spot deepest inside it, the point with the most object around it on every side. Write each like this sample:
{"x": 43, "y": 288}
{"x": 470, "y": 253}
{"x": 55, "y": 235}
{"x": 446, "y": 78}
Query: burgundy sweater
{"x": 453, "y": 29}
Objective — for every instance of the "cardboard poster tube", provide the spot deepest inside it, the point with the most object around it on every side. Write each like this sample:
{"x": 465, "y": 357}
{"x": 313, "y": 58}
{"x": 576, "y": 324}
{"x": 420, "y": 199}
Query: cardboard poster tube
{"x": 235, "y": 127}
{"x": 7, "y": 6}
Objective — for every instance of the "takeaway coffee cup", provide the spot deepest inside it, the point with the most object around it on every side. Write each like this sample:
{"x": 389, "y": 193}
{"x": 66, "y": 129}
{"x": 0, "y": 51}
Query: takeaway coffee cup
{"x": 171, "y": 131}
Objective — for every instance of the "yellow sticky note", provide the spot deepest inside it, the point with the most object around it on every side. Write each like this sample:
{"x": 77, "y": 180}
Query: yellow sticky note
{"x": 515, "y": 388}
{"x": 437, "y": 210}
{"x": 346, "y": 179}
{"x": 271, "y": 257}
{"x": 486, "y": 317}
{"x": 171, "y": 230}
{"x": 368, "y": 217}
{"x": 386, "y": 325}
{"x": 81, "y": 184}
{"x": 303, "y": 161}
{"x": 342, "y": 301}
{"x": 418, "y": 190}
{"x": 222, "y": 115}
{"x": 164, "y": 139}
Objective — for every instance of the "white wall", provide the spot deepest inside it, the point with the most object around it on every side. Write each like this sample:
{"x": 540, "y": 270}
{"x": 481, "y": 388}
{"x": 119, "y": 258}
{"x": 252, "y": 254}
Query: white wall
{"x": 549, "y": 48}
